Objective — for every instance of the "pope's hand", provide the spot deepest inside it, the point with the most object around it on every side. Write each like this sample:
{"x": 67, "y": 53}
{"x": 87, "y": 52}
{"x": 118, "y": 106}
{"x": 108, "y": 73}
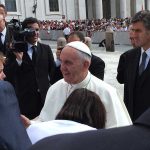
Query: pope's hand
{"x": 26, "y": 121}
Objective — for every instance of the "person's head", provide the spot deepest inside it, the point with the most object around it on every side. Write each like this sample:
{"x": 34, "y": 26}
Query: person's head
{"x": 131, "y": 37}
{"x": 84, "y": 106}
{"x": 3, "y": 14}
{"x": 33, "y": 25}
{"x": 75, "y": 61}
{"x": 66, "y": 32}
{"x": 76, "y": 36}
{"x": 61, "y": 42}
{"x": 2, "y": 61}
{"x": 141, "y": 29}
{"x": 88, "y": 41}
{"x": 3, "y": 10}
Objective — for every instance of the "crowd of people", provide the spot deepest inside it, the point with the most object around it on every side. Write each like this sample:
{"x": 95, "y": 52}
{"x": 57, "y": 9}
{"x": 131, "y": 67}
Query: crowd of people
{"x": 43, "y": 96}
{"x": 116, "y": 24}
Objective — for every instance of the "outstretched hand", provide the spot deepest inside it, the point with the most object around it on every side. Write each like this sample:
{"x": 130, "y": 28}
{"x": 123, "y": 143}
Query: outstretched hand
{"x": 26, "y": 121}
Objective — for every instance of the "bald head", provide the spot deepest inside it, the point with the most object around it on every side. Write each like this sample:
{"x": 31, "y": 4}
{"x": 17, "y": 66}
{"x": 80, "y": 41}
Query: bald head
{"x": 88, "y": 41}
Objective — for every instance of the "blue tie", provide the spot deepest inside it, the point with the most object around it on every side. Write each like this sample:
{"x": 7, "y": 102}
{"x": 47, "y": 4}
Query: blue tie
{"x": 142, "y": 65}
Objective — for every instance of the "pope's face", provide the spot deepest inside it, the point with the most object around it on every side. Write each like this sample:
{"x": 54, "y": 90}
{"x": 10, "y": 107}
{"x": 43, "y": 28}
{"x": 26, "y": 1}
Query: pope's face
{"x": 72, "y": 67}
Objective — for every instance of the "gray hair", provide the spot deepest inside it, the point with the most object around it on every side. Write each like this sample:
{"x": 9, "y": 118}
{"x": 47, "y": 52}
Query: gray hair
{"x": 142, "y": 16}
{"x": 84, "y": 56}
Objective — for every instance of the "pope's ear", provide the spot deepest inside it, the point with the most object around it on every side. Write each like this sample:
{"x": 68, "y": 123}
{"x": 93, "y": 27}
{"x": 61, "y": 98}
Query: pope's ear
{"x": 87, "y": 64}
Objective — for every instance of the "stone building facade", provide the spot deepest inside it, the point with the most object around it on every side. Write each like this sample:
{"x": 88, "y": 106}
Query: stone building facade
{"x": 73, "y": 9}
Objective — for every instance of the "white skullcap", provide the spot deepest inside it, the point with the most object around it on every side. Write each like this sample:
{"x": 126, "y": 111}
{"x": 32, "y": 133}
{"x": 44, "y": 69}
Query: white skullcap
{"x": 80, "y": 46}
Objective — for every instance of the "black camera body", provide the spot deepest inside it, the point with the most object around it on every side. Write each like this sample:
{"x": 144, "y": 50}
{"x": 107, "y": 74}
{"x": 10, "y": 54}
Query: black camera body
{"x": 18, "y": 35}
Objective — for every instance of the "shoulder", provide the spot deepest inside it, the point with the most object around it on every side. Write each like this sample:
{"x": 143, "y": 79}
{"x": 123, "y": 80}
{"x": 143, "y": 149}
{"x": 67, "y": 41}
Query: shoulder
{"x": 96, "y": 59}
{"x": 43, "y": 45}
{"x": 101, "y": 85}
{"x": 4, "y": 85}
{"x": 131, "y": 52}
{"x": 58, "y": 86}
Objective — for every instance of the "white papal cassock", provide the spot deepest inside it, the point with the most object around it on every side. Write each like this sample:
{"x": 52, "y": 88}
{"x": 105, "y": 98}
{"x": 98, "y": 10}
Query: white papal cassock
{"x": 117, "y": 114}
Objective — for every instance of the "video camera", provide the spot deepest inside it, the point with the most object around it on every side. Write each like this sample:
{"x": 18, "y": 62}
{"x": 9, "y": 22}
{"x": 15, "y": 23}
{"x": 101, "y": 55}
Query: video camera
{"x": 18, "y": 35}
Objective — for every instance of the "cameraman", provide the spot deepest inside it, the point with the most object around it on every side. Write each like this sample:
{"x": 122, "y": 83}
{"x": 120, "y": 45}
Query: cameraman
{"x": 32, "y": 69}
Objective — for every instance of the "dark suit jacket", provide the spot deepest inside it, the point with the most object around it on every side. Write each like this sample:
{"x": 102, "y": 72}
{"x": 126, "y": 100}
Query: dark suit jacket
{"x": 12, "y": 131}
{"x": 3, "y": 145}
{"x": 31, "y": 82}
{"x": 96, "y": 68}
{"x": 4, "y": 47}
{"x": 136, "y": 88}
{"x": 134, "y": 137}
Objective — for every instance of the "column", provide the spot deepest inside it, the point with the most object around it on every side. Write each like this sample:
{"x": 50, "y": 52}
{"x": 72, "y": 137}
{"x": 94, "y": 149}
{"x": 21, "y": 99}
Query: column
{"x": 140, "y": 5}
{"x": 90, "y": 9}
{"x": 113, "y": 8}
{"x": 123, "y": 9}
{"x": 82, "y": 9}
{"x": 99, "y": 9}
{"x": 148, "y": 4}
{"x": 128, "y": 8}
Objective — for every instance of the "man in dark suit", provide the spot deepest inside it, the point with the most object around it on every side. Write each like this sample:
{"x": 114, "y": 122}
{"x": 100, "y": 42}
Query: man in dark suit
{"x": 32, "y": 69}
{"x": 4, "y": 34}
{"x": 97, "y": 64}
{"x": 134, "y": 137}
{"x": 12, "y": 132}
{"x": 134, "y": 69}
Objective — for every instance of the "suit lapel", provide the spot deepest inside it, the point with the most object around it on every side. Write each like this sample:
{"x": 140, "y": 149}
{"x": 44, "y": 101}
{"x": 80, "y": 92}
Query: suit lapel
{"x": 134, "y": 66}
{"x": 144, "y": 75}
{"x": 144, "y": 119}
{"x": 26, "y": 57}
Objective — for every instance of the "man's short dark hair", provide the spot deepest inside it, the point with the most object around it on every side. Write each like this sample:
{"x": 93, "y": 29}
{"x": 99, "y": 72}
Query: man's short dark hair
{"x": 79, "y": 34}
{"x": 142, "y": 16}
{"x": 3, "y": 6}
{"x": 29, "y": 20}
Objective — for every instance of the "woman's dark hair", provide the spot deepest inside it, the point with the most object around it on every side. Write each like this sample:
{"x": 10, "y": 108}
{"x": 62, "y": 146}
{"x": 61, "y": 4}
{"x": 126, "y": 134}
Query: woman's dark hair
{"x": 84, "y": 106}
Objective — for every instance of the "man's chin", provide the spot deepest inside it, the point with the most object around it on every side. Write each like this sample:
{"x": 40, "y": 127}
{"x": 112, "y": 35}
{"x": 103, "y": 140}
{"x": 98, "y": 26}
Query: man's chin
{"x": 66, "y": 79}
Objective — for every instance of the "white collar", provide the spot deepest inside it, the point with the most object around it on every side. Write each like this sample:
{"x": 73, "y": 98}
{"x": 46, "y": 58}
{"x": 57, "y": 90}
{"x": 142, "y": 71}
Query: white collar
{"x": 30, "y": 45}
{"x": 147, "y": 52}
{"x": 83, "y": 84}
{"x": 4, "y": 32}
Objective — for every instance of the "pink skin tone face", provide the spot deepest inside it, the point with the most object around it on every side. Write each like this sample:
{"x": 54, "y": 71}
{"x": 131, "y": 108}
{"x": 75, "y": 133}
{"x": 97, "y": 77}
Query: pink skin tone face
{"x": 33, "y": 39}
{"x": 74, "y": 69}
{"x": 141, "y": 35}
